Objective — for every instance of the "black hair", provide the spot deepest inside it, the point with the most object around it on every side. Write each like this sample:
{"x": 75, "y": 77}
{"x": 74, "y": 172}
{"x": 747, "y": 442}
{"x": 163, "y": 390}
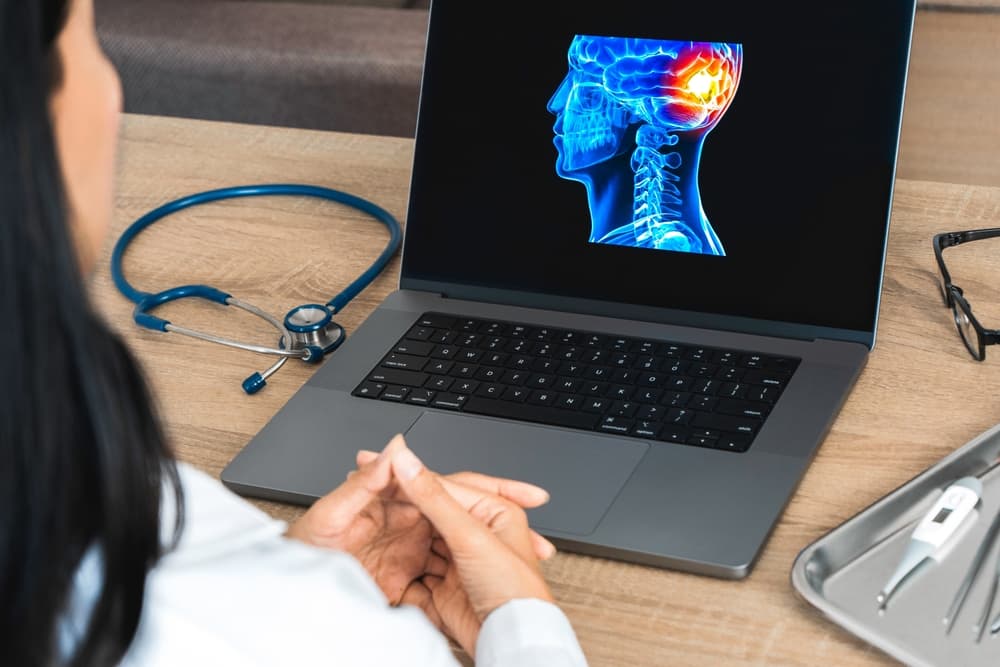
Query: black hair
{"x": 83, "y": 459}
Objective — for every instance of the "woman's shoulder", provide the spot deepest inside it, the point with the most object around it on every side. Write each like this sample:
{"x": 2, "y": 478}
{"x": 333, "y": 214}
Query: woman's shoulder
{"x": 214, "y": 517}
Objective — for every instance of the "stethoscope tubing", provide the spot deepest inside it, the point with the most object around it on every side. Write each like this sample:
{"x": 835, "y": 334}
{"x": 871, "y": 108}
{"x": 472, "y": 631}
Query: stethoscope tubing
{"x": 299, "y": 345}
{"x": 290, "y": 189}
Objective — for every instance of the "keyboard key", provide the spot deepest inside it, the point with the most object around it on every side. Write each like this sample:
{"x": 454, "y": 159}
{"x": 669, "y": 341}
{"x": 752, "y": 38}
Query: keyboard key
{"x": 675, "y": 399}
{"x": 679, "y": 416}
{"x": 571, "y": 369}
{"x": 623, "y": 408}
{"x": 703, "y": 402}
{"x": 743, "y": 408}
{"x": 517, "y": 394}
{"x": 542, "y": 397}
{"x": 489, "y": 373}
{"x": 514, "y": 378}
{"x": 449, "y": 401}
{"x": 465, "y": 386}
{"x": 394, "y": 376}
{"x": 442, "y": 337}
{"x": 532, "y": 413}
{"x": 468, "y": 355}
{"x": 671, "y": 433}
{"x": 646, "y": 429}
{"x": 414, "y": 347}
{"x": 726, "y": 423}
{"x": 464, "y": 370}
{"x": 439, "y": 367}
{"x": 733, "y": 443}
{"x": 436, "y": 321}
{"x": 701, "y": 441}
{"x": 395, "y": 393}
{"x": 439, "y": 383}
{"x": 445, "y": 352}
{"x": 650, "y": 412}
{"x": 569, "y": 401}
{"x": 541, "y": 381}
{"x": 419, "y": 333}
{"x": 620, "y": 392}
{"x": 490, "y": 390}
{"x": 765, "y": 394}
{"x": 406, "y": 362}
{"x": 644, "y": 395}
{"x": 614, "y": 424}
{"x": 596, "y": 405}
{"x": 370, "y": 389}
{"x": 568, "y": 385}
{"x": 420, "y": 396}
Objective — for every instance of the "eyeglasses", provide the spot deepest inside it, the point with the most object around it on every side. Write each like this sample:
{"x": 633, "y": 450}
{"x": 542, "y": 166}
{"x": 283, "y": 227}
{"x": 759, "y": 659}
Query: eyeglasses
{"x": 975, "y": 337}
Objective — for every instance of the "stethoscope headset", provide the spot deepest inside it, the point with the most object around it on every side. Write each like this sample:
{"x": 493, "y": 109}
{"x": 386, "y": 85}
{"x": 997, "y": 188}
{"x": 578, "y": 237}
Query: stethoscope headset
{"x": 308, "y": 332}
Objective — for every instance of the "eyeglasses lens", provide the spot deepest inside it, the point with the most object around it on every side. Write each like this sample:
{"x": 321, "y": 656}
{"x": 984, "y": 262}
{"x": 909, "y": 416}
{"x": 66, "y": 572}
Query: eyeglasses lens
{"x": 966, "y": 330}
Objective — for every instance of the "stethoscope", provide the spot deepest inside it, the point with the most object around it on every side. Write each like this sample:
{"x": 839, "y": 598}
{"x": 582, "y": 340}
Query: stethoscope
{"x": 307, "y": 332}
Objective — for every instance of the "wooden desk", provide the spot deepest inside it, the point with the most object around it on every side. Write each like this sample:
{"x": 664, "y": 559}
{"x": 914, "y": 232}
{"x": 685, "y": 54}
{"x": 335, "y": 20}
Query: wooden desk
{"x": 920, "y": 397}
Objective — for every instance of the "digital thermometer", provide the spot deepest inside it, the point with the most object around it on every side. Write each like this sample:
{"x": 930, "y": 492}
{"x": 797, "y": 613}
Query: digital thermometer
{"x": 934, "y": 534}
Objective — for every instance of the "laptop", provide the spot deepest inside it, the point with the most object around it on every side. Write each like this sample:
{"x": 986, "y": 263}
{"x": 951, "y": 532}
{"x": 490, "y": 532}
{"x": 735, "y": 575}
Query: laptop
{"x": 641, "y": 268}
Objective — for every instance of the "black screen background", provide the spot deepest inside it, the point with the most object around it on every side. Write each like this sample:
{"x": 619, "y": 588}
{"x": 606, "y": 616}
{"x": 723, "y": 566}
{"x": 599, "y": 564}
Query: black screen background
{"x": 796, "y": 178}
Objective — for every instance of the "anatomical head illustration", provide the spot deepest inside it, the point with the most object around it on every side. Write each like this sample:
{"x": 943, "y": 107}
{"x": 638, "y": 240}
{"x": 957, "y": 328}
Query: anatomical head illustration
{"x": 631, "y": 119}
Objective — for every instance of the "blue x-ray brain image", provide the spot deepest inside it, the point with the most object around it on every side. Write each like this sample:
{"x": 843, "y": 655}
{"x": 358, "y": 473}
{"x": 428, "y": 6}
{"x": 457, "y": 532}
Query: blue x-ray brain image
{"x": 632, "y": 116}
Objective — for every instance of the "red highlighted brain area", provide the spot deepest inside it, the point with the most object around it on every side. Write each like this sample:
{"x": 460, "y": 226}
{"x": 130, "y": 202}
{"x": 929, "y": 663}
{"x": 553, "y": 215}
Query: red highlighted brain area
{"x": 700, "y": 83}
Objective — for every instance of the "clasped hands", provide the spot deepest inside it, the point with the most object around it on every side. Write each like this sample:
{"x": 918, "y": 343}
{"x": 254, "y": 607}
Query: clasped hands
{"x": 456, "y": 546}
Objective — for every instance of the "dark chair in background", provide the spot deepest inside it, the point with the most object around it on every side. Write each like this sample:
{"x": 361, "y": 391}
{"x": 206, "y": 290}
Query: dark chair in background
{"x": 320, "y": 65}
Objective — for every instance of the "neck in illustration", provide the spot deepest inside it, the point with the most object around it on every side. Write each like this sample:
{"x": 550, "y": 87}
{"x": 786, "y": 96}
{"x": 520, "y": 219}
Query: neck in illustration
{"x": 666, "y": 211}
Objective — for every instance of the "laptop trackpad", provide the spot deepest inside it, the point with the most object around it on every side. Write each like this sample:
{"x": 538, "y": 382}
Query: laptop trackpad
{"x": 583, "y": 472}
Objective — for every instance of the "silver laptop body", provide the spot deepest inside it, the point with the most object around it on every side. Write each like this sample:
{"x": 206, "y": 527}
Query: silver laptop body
{"x": 665, "y": 300}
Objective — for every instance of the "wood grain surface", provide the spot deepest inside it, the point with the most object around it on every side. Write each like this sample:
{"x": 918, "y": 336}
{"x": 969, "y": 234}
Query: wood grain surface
{"x": 951, "y": 118}
{"x": 920, "y": 397}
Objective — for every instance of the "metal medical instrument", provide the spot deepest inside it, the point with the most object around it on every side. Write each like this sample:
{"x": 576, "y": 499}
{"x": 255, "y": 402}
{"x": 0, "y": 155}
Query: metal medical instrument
{"x": 932, "y": 537}
{"x": 970, "y": 577}
{"x": 307, "y": 332}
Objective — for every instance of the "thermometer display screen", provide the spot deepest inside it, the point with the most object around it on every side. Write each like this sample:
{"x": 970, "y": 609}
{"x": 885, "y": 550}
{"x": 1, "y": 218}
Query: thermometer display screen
{"x": 942, "y": 515}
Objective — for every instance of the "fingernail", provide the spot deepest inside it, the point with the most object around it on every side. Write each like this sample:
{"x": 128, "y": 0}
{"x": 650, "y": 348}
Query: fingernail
{"x": 406, "y": 464}
{"x": 393, "y": 443}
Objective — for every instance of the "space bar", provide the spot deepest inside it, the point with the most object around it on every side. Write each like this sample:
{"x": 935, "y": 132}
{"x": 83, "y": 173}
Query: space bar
{"x": 531, "y": 413}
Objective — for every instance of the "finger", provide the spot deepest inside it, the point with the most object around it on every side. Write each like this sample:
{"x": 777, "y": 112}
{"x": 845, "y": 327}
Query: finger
{"x": 524, "y": 494}
{"x": 424, "y": 489}
{"x": 361, "y": 487}
{"x": 440, "y": 547}
{"x": 544, "y": 549}
{"x": 419, "y": 595}
{"x": 489, "y": 506}
{"x": 365, "y": 456}
{"x": 470, "y": 496}
{"x": 436, "y": 566}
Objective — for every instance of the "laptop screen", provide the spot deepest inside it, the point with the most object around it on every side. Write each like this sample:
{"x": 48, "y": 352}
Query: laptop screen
{"x": 724, "y": 157}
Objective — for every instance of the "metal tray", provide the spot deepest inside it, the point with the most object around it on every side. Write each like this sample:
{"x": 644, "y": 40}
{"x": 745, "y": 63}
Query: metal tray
{"x": 841, "y": 573}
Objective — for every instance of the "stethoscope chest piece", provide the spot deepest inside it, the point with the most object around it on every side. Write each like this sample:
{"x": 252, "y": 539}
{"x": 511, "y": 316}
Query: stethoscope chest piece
{"x": 312, "y": 326}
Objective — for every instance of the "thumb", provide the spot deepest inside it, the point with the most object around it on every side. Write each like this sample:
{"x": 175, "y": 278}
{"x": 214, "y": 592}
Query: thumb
{"x": 343, "y": 504}
{"x": 423, "y": 488}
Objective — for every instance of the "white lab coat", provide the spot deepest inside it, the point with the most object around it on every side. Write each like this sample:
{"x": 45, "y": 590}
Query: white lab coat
{"x": 237, "y": 592}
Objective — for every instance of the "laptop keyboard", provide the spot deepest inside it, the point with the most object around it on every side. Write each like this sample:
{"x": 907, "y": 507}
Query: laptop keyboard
{"x": 650, "y": 389}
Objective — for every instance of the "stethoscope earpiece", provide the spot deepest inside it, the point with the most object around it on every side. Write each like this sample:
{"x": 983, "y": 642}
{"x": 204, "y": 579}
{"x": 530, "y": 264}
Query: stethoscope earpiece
{"x": 308, "y": 332}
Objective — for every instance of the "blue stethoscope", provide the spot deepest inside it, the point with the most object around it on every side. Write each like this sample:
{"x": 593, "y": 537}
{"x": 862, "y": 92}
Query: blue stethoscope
{"x": 308, "y": 332}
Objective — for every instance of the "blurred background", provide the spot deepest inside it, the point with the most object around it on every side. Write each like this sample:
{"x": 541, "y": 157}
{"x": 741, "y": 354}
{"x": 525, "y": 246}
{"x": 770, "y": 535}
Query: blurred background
{"x": 355, "y": 66}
